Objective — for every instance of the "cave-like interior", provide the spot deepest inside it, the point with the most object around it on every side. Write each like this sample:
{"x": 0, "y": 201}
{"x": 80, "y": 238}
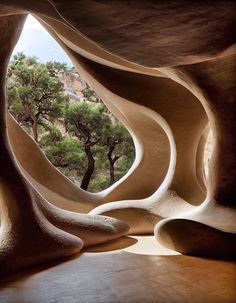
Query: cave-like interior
{"x": 163, "y": 232}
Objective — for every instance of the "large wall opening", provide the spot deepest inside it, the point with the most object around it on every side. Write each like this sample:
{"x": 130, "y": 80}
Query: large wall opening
{"x": 65, "y": 117}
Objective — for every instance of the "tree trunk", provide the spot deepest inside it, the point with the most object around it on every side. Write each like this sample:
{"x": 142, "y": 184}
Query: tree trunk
{"x": 112, "y": 173}
{"x": 90, "y": 168}
{"x": 112, "y": 162}
{"x": 35, "y": 130}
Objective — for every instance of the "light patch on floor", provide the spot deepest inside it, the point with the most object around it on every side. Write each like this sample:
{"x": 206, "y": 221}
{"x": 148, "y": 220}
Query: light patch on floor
{"x": 148, "y": 245}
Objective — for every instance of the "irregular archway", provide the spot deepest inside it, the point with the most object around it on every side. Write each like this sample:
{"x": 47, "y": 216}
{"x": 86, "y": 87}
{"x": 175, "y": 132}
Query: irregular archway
{"x": 27, "y": 237}
{"x": 174, "y": 104}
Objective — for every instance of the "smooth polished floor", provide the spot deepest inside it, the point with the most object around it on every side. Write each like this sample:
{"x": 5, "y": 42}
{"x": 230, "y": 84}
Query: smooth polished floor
{"x": 136, "y": 270}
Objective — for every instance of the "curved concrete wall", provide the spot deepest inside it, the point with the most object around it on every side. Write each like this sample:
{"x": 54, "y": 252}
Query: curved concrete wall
{"x": 166, "y": 70}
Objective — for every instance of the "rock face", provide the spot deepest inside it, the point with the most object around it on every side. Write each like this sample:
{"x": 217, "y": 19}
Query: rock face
{"x": 167, "y": 70}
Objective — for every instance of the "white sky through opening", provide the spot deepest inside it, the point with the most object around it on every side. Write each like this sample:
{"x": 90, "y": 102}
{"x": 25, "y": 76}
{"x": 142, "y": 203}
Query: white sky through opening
{"x": 36, "y": 41}
{"x": 31, "y": 22}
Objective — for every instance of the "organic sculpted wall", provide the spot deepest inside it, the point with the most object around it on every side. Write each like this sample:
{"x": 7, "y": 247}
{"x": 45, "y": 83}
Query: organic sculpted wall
{"x": 166, "y": 69}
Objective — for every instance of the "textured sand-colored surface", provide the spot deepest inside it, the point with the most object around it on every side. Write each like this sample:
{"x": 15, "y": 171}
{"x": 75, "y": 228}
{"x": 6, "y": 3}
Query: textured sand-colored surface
{"x": 128, "y": 275}
{"x": 167, "y": 70}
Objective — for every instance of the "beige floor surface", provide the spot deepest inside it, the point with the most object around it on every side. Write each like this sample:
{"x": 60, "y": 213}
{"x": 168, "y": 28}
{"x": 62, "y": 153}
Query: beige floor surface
{"x": 129, "y": 270}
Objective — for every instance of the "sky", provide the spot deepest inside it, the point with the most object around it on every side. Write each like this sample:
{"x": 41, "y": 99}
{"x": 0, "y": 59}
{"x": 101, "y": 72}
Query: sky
{"x": 36, "y": 41}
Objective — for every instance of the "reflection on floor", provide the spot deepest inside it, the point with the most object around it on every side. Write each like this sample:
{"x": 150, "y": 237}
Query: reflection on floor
{"x": 129, "y": 270}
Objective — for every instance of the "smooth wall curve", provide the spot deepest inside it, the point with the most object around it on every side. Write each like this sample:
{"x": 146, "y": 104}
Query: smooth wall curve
{"x": 138, "y": 58}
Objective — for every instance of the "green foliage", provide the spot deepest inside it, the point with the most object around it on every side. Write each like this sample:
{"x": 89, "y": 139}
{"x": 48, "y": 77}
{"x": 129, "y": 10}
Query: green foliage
{"x": 35, "y": 93}
{"x": 119, "y": 137}
{"x": 99, "y": 183}
{"x": 87, "y": 121}
{"x": 63, "y": 151}
{"x": 73, "y": 136}
{"x": 55, "y": 68}
{"x": 90, "y": 95}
